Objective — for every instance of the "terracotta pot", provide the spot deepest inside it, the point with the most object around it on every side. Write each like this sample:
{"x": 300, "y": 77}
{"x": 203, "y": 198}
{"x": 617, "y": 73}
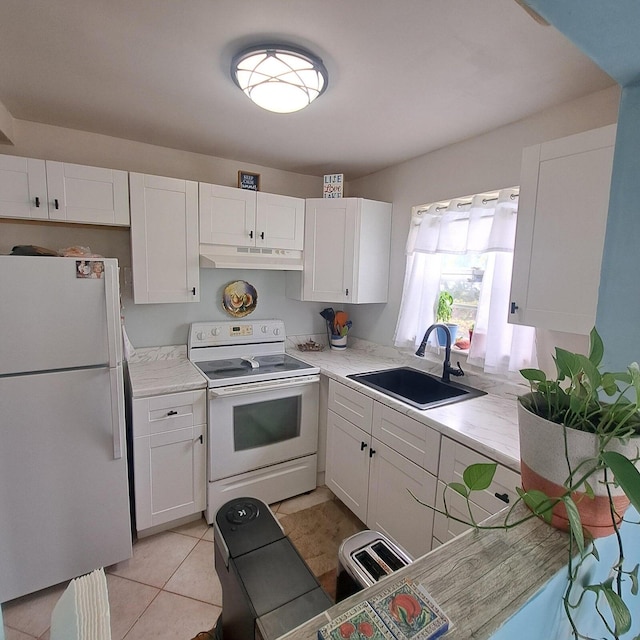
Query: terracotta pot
{"x": 543, "y": 466}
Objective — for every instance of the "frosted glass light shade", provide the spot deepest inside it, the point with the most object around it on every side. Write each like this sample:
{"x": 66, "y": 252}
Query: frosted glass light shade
{"x": 279, "y": 78}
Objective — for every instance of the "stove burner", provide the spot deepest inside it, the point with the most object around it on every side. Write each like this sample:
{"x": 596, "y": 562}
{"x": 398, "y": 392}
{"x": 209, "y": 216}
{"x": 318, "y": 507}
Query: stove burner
{"x": 271, "y": 366}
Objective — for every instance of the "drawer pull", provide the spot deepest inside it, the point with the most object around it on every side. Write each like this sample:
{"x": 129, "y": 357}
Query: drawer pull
{"x": 201, "y": 439}
{"x": 502, "y": 496}
{"x": 172, "y": 413}
{"x": 363, "y": 446}
{"x": 371, "y": 452}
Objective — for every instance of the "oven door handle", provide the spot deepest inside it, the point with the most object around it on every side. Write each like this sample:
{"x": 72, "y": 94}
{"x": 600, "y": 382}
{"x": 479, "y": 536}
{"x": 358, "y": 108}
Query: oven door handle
{"x": 255, "y": 387}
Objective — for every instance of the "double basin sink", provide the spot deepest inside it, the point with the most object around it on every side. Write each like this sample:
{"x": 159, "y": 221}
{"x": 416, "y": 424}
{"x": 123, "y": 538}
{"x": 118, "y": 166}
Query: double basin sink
{"x": 416, "y": 388}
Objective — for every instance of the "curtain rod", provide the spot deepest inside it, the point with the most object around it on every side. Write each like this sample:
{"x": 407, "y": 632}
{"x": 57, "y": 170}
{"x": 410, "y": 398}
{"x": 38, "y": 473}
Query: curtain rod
{"x": 513, "y": 196}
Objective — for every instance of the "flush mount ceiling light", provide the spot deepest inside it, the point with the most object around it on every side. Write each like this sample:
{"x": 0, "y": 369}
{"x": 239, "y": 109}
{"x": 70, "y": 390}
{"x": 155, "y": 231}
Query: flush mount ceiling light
{"x": 279, "y": 78}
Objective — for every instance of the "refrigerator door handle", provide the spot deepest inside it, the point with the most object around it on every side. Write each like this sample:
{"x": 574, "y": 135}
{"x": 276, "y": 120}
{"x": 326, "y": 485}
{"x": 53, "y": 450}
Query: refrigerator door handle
{"x": 111, "y": 289}
{"x": 117, "y": 411}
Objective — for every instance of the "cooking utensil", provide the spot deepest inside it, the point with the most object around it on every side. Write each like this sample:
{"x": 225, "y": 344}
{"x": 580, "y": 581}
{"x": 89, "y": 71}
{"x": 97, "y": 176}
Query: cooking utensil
{"x": 329, "y": 315}
{"x": 340, "y": 320}
{"x": 345, "y": 329}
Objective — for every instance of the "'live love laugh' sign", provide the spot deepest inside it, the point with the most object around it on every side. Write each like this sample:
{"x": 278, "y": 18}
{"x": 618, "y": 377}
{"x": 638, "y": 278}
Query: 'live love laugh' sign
{"x": 332, "y": 186}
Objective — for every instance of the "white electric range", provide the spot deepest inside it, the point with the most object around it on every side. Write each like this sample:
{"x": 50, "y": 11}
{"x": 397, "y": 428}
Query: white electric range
{"x": 262, "y": 412}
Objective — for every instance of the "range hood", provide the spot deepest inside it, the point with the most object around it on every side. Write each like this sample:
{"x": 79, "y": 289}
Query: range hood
{"x": 214, "y": 256}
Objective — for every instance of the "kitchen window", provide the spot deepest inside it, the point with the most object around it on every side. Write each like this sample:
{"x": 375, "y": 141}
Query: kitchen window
{"x": 461, "y": 276}
{"x": 465, "y": 246}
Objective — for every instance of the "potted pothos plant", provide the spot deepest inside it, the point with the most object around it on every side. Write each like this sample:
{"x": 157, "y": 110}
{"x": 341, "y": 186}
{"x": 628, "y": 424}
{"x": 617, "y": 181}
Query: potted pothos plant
{"x": 444, "y": 311}
{"x": 579, "y": 449}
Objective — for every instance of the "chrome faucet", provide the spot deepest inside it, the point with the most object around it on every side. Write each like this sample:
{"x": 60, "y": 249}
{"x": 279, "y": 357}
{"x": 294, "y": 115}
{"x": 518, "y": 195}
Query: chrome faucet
{"x": 447, "y": 369}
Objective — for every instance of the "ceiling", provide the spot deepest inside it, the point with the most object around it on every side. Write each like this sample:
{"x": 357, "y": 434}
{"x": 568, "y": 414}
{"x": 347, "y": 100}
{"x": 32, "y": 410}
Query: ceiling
{"x": 405, "y": 76}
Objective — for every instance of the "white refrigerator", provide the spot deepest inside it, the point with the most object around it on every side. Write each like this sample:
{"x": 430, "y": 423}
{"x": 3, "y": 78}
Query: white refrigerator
{"x": 64, "y": 495}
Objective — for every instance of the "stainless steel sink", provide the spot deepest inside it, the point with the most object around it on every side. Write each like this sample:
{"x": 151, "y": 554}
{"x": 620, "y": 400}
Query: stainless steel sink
{"x": 417, "y": 388}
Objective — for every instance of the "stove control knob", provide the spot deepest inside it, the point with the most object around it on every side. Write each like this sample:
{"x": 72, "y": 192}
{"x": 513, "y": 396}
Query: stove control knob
{"x": 215, "y": 331}
{"x": 200, "y": 335}
{"x": 276, "y": 332}
{"x": 264, "y": 328}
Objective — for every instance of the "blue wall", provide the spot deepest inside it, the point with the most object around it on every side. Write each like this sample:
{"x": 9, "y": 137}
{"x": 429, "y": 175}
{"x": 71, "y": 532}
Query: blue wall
{"x": 607, "y": 31}
{"x": 543, "y": 616}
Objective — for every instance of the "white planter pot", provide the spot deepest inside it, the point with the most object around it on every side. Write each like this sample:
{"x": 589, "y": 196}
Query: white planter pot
{"x": 544, "y": 467}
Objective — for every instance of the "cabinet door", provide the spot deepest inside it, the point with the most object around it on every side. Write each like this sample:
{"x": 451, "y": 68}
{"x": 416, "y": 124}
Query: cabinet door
{"x": 227, "y": 215}
{"x": 328, "y": 249}
{"x": 562, "y": 215}
{"x": 391, "y": 508}
{"x": 170, "y": 476}
{"x": 372, "y": 252}
{"x": 164, "y": 239}
{"x": 87, "y": 194}
{"x": 347, "y": 473}
{"x": 279, "y": 221}
{"x": 23, "y": 188}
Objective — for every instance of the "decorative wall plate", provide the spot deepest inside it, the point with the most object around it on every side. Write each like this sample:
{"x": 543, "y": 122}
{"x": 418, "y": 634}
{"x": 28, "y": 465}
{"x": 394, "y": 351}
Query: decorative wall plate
{"x": 239, "y": 298}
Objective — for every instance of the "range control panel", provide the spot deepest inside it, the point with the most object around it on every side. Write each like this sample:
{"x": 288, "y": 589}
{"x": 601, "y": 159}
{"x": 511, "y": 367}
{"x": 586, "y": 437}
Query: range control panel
{"x": 213, "y": 334}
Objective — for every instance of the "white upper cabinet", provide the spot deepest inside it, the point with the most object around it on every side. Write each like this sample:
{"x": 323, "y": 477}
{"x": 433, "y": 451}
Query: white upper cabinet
{"x": 164, "y": 239}
{"x": 346, "y": 257}
{"x": 87, "y": 194}
{"x": 227, "y": 215}
{"x": 23, "y": 188}
{"x": 245, "y": 218}
{"x": 46, "y": 190}
{"x": 562, "y": 217}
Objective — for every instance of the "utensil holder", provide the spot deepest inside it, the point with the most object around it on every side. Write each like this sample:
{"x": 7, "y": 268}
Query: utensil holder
{"x": 338, "y": 343}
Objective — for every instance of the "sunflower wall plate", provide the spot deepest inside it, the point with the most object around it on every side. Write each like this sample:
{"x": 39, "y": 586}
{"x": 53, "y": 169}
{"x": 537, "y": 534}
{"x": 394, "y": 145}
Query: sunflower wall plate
{"x": 239, "y": 298}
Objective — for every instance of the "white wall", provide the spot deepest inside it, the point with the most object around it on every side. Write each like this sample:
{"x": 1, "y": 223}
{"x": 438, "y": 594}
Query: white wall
{"x": 485, "y": 163}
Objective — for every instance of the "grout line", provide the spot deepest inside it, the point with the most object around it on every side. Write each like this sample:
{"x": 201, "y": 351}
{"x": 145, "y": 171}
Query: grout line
{"x": 135, "y": 622}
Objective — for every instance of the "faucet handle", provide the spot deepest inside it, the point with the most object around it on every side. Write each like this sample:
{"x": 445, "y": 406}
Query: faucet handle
{"x": 456, "y": 372}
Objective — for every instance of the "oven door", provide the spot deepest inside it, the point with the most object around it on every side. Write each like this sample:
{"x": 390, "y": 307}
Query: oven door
{"x": 259, "y": 424}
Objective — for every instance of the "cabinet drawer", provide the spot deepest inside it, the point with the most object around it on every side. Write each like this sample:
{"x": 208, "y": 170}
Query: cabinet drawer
{"x": 351, "y": 405}
{"x": 407, "y": 436}
{"x": 455, "y": 457}
{"x": 169, "y": 412}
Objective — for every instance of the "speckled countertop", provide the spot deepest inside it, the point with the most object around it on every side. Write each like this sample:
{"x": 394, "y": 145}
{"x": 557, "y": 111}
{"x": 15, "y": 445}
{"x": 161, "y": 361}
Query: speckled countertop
{"x": 158, "y": 370}
{"x": 487, "y": 424}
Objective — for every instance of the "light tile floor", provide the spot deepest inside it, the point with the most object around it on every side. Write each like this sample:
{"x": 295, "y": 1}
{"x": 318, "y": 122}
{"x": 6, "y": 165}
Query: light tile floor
{"x": 168, "y": 590}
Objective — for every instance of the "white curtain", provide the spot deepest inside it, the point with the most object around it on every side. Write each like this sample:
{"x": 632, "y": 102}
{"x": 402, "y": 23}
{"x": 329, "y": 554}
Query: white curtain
{"x": 485, "y": 225}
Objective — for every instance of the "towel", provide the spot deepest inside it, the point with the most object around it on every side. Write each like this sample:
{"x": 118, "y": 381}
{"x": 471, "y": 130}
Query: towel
{"x": 82, "y": 612}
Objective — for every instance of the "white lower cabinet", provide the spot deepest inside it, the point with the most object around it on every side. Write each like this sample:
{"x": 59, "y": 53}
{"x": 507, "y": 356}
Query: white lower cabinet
{"x": 454, "y": 459}
{"x": 377, "y": 457}
{"x": 347, "y": 473}
{"x": 371, "y": 477}
{"x": 169, "y": 457}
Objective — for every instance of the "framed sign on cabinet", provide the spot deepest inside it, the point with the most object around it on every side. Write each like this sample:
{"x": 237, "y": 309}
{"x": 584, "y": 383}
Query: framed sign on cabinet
{"x": 248, "y": 180}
